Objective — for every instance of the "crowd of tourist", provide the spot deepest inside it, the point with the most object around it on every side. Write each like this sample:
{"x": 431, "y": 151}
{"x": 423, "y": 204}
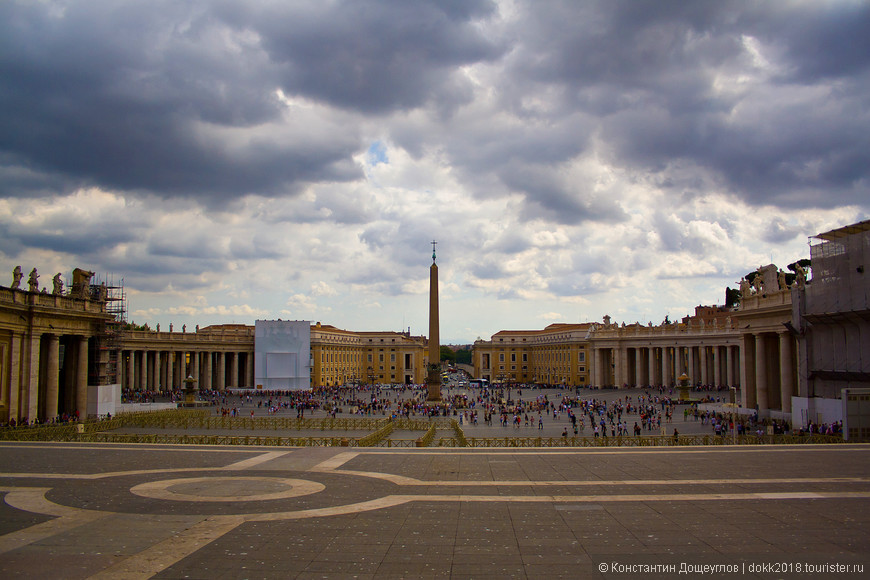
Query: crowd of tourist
{"x": 583, "y": 411}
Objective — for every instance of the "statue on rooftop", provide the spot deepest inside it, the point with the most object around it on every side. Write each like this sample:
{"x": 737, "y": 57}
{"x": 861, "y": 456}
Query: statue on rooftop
{"x": 16, "y": 277}
{"x": 758, "y": 285}
{"x": 58, "y": 284}
{"x": 81, "y": 286}
{"x": 745, "y": 288}
{"x": 780, "y": 280}
{"x": 33, "y": 281}
{"x": 801, "y": 280}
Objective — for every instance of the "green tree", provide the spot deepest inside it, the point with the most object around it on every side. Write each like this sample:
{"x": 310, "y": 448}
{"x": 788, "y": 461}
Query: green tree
{"x": 463, "y": 356}
{"x": 732, "y": 297}
{"x": 448, "y": 354}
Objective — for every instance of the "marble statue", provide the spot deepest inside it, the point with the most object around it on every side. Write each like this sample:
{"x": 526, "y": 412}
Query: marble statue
{"x": 801, "y": 280}
{"x": 745, "y": 288}
{"x": 758, "y": 285}
{"x": 158, "y": 327}
{"x": 170, "y": 327}
{"x": 780, "y": 280}
{"x": 82, "y": 283}
{"x": 58, "y": 284}
{"x": 33, "y": 281}
{"x": 16, "y": 277}
{"x": 183, "y": 328}
{"x": 606, "y": 321}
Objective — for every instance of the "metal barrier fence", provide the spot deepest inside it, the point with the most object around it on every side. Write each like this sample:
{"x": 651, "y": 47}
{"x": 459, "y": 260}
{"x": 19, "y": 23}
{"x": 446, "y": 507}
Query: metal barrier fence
{"x": 380, "y": 429}
{"x": 649, "y": 441}
{"x": 373, "y": 439}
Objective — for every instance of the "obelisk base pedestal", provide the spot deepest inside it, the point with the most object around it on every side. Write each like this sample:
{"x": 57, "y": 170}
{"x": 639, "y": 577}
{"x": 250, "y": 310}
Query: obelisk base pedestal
{"x": 433, "y": 385}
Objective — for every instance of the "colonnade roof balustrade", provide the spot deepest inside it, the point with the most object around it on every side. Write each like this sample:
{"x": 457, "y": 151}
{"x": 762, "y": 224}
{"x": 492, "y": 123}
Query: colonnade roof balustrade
{"x": 181, "y": 340}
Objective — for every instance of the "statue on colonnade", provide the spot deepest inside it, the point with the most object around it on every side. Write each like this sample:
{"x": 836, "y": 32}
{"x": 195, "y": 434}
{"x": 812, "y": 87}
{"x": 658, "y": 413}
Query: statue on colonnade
{"x": 58, "y": 284}
{"x": 82, "y": 283}
{"x": 33, "y": 281}
{"x": 16, "y": 277}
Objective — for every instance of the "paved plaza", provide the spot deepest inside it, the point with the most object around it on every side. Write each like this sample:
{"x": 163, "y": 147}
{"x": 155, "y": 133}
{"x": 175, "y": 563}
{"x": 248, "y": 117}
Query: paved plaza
{"x": 129, "y": 511}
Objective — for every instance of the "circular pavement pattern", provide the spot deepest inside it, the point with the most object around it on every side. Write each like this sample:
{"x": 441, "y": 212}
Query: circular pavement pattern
{"x": 227, "y": 489}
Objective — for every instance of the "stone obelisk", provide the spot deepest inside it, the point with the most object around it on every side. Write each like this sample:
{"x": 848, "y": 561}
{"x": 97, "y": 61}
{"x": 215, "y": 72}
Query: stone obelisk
{"x": 433, "y": 375}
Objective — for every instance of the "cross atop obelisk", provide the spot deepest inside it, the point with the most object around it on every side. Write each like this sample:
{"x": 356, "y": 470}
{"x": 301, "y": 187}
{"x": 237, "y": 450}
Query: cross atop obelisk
{"x": 433, "y": 376}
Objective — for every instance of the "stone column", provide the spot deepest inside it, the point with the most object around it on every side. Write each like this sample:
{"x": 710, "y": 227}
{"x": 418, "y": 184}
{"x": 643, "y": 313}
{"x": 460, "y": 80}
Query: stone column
{"x": 31, "y": 376}
{"x": 761, "y": 375}
{"x": 177, "y": 370}
{"x": 595, "y": 368}
{"x": 220, "y": 371}
{"x": 786, "y": 369}
{"x": 206, "y": 370}
{"x": 155, "y": 383}
{"x": 130, "y": 379}
{"x": 15, "y": 376}
{"x": 729, "y": 365}
{"x": 747, "y": 372}
{"x": 194, "y": 362}
{"x": 666, "y": 366}
{"x": 702, "y": 356}
{"x": 651, "y": 367}
{"x": 142, "y": 369}
{"x": 690, "y": 365}
{"x": 638, "y": 367}
{"x": 51, "y": 377}
{"x": 234, "y": 370}
{"x": 249, "y": 370}
{"x": 717, "y": 366}
{"x": 81, "y": 387}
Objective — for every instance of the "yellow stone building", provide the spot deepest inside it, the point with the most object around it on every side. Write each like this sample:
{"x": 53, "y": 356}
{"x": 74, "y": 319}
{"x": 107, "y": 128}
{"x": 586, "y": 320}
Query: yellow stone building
{"x": 556, "y": 355}
{"x": 345, "y": 357}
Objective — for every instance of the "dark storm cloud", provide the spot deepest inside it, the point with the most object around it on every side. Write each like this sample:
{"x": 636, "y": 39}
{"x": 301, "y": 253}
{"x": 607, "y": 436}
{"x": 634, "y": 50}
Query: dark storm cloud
{"x": 67, "y": 233}
{"x": 653, "y": 72}
{"x": 158, "y": 96}
{"x": 180, "y": 99}
{"x": 376, "y": 57}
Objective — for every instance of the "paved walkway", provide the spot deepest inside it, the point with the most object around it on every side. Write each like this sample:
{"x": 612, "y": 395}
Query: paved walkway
{"x": 115, "y": 511}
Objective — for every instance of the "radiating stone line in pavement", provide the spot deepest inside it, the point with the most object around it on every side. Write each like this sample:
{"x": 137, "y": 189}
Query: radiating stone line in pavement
{"x": 258, "y": 460}
{"x": 335, "y": 462}
{"x": 160, "y": 556}
{"x": 675, "y": 450}
{"x": 243, "y": 464}
{"x": 410, "y": 481}
{"x": 32, "y": 499}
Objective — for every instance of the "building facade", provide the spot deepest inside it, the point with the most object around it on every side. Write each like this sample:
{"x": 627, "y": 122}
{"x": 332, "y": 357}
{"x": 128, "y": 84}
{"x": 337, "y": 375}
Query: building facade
{"x": 556, "y": 355}
{"x": 52, "y": 346}
{"x": 831, "y": 321}
{"x": 788, "y": 349}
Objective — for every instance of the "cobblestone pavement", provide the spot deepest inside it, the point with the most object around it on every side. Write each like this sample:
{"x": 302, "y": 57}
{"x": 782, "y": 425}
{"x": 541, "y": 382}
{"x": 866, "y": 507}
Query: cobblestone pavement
{"x": 125, "y": 511}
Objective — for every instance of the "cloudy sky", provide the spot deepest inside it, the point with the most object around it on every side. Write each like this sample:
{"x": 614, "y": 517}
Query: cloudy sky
{"x": 234, "y": 161}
